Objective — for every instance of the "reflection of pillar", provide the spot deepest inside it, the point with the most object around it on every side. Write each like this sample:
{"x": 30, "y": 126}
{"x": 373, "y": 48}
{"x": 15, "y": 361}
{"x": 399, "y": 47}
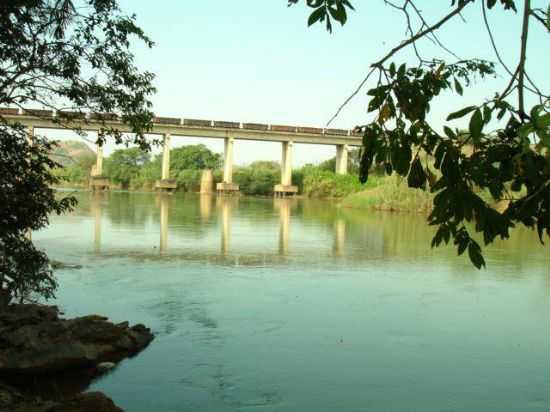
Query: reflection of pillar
{"x": 284, "y": 225}
{"x": 166, "y": 157}
{"x": 96, "y": 206}
{"x": 341, "y": 159}
{"x": 339, "y": 236}
{"x": 228, "y": 160}
{"x": 205, "y": 206}
{"x": 226, "y": 225}
{"x": 163, "y": 223}
{"x": 99, "y": 161}
{"x": 286, "y": 164}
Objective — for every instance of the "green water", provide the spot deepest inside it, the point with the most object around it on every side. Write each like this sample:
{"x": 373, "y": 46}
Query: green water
{"x": 263, "y": 305}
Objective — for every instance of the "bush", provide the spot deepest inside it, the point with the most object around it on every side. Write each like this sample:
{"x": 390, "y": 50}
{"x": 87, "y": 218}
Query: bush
{"x": 258, "y": 178}
{"x": 189, "y": 180}
{"x": 322, "y": 183}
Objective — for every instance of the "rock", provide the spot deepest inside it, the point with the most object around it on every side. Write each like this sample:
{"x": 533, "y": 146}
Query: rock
{"x": 35, "y": 341}
{"x": 13, "y": 401}
{"x": 105, "y": 366}
{"x": 56, "y": 264}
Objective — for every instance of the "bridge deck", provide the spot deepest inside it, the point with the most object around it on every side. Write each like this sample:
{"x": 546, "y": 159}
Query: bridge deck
{"x": 45, "y": 119}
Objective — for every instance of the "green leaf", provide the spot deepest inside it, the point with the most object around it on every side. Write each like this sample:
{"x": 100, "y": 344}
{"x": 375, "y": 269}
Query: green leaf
{"x": 392, "y": 69}
{"x": 491, "y": 3}
{"x": 401, "y": 71}
{"x": 417, "y": 175}
{"x": 474, "y": 252}
{"x": 449, "y": 132}
{"x": 461, "y": 113}
{"x": 476, "y": 125}
{"x": 317, "y": 15}
{"x": 458, "y": 87}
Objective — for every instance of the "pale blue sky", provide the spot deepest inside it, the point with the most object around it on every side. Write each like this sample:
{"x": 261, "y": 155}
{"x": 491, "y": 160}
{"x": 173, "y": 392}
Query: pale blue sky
{"x": 257, "y": 61}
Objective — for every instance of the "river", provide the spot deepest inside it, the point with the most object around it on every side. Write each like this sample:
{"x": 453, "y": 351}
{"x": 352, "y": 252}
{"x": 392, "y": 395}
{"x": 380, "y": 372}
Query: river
{"x": 299, "y": 305}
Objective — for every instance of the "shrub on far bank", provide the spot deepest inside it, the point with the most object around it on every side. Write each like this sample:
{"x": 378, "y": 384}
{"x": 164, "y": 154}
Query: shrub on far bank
{"x": 391, "y": 194}
{"x": 315, "y": 182}
{"x": 258, "y": 178}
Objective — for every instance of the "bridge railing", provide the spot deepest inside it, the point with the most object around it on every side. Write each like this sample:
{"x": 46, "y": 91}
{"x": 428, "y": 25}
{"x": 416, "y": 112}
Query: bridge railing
{"x": 176, "y": 121}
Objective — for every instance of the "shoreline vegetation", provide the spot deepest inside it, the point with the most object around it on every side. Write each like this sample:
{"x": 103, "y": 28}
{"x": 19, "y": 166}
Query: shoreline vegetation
{"x": 134, "y": 170}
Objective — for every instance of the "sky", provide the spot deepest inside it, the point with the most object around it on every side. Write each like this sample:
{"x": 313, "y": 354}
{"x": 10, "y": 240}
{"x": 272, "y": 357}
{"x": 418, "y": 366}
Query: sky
{"x": 257, "y": 61}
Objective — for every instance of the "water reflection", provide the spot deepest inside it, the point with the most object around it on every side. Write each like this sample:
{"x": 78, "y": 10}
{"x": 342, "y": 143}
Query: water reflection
{"x": 331, "y": 299}
{"x": 339, "y": 236}
{"x": 164, "y": 211}
{"x": 96, "y": 206}
{"x": 224, "y": 205}
{"x": 284, "y": 206}
{"x": 262, "y": 231}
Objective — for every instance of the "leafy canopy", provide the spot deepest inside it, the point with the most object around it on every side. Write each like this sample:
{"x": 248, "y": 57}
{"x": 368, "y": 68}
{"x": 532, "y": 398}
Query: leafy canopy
{"x": 57, "y": 56}
{"x": 506, "y": 150}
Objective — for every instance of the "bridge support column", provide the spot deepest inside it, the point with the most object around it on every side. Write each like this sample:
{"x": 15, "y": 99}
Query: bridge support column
{"x": 227, "y": 186}
{"x": 286, "y": 186}
{"x": 166, "y": 184}
{"x": 97, "y": 180}
{"x": 341, "y": 159}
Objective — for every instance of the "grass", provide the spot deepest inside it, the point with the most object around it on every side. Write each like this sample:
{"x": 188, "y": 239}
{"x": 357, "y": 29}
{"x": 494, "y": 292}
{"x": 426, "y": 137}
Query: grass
{"x": 390, "y": 194}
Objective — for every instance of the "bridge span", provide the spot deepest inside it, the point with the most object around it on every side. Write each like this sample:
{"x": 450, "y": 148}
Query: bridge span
{"x": 169, "y": 127}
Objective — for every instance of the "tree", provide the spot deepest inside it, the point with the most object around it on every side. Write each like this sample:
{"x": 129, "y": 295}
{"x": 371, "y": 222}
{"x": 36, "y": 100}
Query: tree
{"x": 124, "y": 165}
{"x": 511, "y": 141}
{"x": 193, "y": 157}
{"x": 60, "y": 57}
{"x": 354, "y": 156}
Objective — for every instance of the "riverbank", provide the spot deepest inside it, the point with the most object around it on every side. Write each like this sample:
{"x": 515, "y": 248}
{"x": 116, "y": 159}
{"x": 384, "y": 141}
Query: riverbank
{"x": 390, "y": 194}
{"x": 47, "y": 361}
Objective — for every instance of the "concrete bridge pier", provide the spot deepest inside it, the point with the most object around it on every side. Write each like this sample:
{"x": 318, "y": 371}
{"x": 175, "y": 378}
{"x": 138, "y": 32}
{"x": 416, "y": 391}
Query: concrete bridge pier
{"x": 286, "y": 187}
{"x": 166, "y": 184}
{"x": 227, "y": 186}
{"x": 341, "y": 159}
{"x": 98, "y": 182}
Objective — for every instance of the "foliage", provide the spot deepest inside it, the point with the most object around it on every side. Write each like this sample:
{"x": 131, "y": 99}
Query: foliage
{"x": 27, "y": 200}
{"x": 354, "y": 156}
{"x": 511, "y": 143}
{"x": 322, "y": 183}
{"x": 124, "y": 165}
{"x": 57, "y": 56}
{"x": 193, "y": 157}
{"x": 258, "y": 178}
{"x": 391, "y": 194}
{"x": 189, "y": 180}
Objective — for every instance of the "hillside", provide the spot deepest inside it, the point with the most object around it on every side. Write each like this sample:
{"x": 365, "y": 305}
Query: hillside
{"x": 71, "y": 152}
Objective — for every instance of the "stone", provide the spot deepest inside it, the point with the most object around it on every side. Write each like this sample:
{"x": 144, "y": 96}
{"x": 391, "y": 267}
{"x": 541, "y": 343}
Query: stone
{"x": 13, "y": 401}
{"x": 35, "y": 341}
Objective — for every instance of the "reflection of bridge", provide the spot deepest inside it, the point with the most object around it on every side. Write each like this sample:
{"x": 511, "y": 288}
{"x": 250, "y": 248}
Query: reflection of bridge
{"x": 229, "y": 131}
{"x": 225, "y": 209}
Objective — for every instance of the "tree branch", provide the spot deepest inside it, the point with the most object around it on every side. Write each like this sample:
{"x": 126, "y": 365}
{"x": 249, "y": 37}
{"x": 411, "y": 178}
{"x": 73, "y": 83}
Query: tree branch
{"x": 523, "y": 52}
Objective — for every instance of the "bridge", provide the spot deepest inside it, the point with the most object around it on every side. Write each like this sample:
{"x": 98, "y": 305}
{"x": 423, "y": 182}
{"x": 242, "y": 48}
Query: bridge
{"x": 169, "y": 127}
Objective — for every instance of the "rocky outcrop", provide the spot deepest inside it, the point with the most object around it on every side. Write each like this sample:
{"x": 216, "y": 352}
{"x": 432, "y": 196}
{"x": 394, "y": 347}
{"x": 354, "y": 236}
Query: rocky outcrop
{"x": 34, "y": 341}
{"x": 13, "y": 401}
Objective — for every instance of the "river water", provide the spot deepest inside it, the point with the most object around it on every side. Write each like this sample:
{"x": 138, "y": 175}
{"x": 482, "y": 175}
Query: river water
{"x": 298, "y": 305}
